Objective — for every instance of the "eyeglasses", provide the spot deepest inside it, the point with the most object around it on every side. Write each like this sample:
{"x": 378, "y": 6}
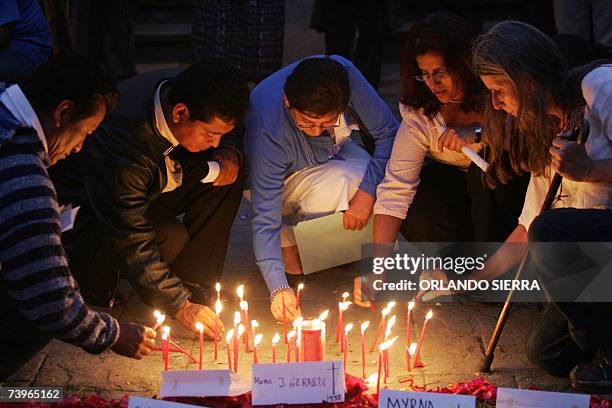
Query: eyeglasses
{"x": 437, "y": 76}
{"x": 328, "y": 128}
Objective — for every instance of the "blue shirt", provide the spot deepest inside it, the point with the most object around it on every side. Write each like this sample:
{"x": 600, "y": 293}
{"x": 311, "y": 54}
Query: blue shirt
{"x": 276, "y": 149}
{"x": 29, "y": 29}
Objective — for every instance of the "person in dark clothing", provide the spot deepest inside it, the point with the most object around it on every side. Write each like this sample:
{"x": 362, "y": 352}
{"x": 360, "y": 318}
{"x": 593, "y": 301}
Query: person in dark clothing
{"x": 42, "y": 121}
{"x": 163, "y": 152}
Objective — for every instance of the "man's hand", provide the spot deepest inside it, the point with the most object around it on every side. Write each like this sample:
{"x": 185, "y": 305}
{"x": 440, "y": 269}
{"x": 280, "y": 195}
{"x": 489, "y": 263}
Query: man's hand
{"x": 455, "y": 139}
{"x": 230, "y": 166}
{"x": 134, "y": 340}
{"x": 291, "y": 310}
{"x": 359, "y": 211}
{"x": 191, "y": 313}
{"x": 571, "y": 160}
{"x": 433, "y": 275}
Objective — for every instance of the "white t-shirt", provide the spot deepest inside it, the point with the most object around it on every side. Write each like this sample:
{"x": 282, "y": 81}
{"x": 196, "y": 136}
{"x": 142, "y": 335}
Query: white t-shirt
{"x": 597, "y": 91}
{"x": 416, "y": 139}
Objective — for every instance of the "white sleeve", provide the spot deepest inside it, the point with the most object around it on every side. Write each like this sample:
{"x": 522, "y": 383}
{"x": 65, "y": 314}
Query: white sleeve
{"x": 396, "y": 191}
{"x": 536, "y": 192}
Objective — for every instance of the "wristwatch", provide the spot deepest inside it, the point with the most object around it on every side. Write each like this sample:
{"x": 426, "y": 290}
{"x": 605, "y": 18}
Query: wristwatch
{"x": 477, "y": 132}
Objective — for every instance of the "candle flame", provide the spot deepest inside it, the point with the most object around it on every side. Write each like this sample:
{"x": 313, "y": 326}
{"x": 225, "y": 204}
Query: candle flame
{"x": 344, "y": 305}
{"x": 254, "y": 324}
{"x": 412, "y": 349}
{"x": 218, "y": 307}
{"x": 160, "y": 319}
{"x": 165, "y": 332}
{"x": 324, "y": 315}
{"x": 291, "y": 334}
{"x": 199, "y": 327}
{"x": 429, "y": 315}
{"x": 387, "y": 333}
{"x": 244, "y": 305}
{"x": 300, "y": 286}
{"x": 345, "y": 296}
{"x": 257, "y": 339}
{"x": 240, "y": 329}
{"x": 371, "y": 380}
{"x": 410, "y": 306}
{"x": 348, "y": 328}
{"x": 385, "y": 311}
{"x": 240, "y": 291}
{"x": 229, "y": 335}
{"x": 391, "y": 322}
{"x": 236, "y": 318}
{"x": 275, "y": 338}
{"x": 298, "y": 322}
{"x": 157, "y": 314}
{"x": 364, "y": 326}
{"x": 391, "y": 305}
{"x": 387, "y": 344}
{"x": 218, "y": 287}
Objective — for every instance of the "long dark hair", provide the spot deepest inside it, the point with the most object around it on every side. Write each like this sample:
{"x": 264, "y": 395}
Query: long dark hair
{"x": 532, "y": 61}
{"x": 450, "y": 36}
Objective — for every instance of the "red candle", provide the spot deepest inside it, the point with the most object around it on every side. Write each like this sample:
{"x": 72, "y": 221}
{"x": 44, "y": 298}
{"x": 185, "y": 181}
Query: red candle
{"x": 290, "y": 336}
{"x": 312, "y": 340}
{"x": 159, "y": 319}
{"x": 284, "y": 317}
{"x": 165, "y": 341}
{"x": 380, "y": 352}
{"x": 275, "y": 340}
{"x": 408, "y": 320}
{"x": 237, "y": 346}
{"x": 218, "y": 290}
{"x": 218, "y": 308}
{"x": 342, "y": 306}
{"x": 409, "y": 353}
{"x": 256, "y": 341}
{"x": 228, "y": 338}
{"x": 299, "y": 291}
{"x": 347, "y": 329}
{"x": 420, "y": 343}
{"x": 383, "y": 347}
{"x": 364, "y": 327}
{"x": 244, "y": 307}
{"x": 382, "y": 324}
{"x": 200, "y": 328}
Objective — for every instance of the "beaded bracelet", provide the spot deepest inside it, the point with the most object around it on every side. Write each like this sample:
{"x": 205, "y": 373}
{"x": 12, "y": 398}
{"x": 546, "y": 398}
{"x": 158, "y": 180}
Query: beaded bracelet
{"x": 278, "y": 290}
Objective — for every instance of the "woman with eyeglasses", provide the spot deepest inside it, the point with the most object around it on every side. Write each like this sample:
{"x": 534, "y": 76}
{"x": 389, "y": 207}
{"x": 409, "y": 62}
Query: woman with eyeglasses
{"x": 431, "y": 192}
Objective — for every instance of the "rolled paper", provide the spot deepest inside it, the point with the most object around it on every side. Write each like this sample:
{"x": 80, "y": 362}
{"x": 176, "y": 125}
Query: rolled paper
{"x": 474, "y": 157}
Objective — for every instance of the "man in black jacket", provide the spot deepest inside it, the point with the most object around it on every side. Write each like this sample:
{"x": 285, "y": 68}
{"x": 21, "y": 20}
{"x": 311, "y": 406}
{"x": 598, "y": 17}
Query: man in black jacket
{"x": 156, "y": 157}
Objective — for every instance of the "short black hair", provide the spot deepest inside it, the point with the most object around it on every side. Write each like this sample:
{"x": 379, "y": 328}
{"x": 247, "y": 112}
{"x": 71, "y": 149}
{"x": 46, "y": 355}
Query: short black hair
{"x": 318, "y": 86}
{"x": 211, "y": 89}
{"x": 72, "y": 78}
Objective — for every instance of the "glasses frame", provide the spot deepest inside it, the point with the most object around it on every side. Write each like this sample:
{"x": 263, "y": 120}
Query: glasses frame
{"x": 437, "y": 77}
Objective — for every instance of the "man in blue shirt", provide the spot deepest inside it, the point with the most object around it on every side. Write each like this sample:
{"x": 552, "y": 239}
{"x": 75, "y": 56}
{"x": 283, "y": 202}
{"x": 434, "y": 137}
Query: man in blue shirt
{"x": 25, "y": 42}
{"x": 303, "y": 163}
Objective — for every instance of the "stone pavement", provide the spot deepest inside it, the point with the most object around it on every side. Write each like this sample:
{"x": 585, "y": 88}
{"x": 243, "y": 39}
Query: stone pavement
{"x": 452, "y": 350}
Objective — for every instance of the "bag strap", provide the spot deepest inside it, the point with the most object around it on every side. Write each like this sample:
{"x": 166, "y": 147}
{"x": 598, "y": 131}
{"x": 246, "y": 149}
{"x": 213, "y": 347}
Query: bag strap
{"x": 369, "y": 143}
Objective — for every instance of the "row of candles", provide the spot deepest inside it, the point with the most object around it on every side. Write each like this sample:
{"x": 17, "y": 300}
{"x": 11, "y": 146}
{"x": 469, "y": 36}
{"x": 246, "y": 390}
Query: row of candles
{"x": 306, "y": 338}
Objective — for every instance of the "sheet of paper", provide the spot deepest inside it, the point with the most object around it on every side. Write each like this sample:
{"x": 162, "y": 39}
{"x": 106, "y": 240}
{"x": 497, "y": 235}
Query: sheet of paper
{"x": 67, "y": 216}
{"x": 513, "y": 398}
{"x": 298, "y": 383}
{"x": 140, "y": 402}
{"x": 391, "y": 398}
{"x": 324, "y": 243}
{"x": 202, "y": 383}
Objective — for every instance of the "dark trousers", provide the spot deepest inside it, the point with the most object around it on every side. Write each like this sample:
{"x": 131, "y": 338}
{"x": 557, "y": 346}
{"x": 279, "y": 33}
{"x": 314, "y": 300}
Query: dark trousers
{"x": 568, "y": 333}
{"x": 454, "y": 206}
{"x": 194, "y": 248}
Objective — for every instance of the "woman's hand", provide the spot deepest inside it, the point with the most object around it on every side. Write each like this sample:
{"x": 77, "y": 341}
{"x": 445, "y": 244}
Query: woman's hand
{"x": 455, "y": 139}
{"x": 571, "y": 160}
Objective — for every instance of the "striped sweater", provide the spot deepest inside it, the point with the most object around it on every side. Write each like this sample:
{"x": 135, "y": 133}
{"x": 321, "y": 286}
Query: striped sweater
{"x": 34, "y": 272}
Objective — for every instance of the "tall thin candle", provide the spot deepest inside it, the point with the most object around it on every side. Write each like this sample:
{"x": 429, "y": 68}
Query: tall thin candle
{"x": 200, "y": 328}
{"x": 237, "y": 346}
{"x": 218, "y": 308}
{"x": 341, "y": 309}
{"x": 384, "y": 346}
{"x": 345, "y": 336}
{"x": 244, "y": 307}
{"x": 289, "y": 338}
{"x": 409, "y": 353}
{"x": 408, "y": 321}
{"x": 165, "y": 346}
{"x": 420, "y": 343}
{"x": 364, "y": 327}
{"x": 228, "y": 339}
{"x": 218, "y": 290}
{"x": 256, "y": 341}
{"x": 275, "y": 340}
{"x": 383, "y": 322}
{"x": 284, "y": 317}
{"x": 299, "y": 292}
{"x": 297, "y": 326}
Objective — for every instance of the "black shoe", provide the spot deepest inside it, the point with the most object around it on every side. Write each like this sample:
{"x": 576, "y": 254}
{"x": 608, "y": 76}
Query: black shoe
{"x": 596, "y": 376}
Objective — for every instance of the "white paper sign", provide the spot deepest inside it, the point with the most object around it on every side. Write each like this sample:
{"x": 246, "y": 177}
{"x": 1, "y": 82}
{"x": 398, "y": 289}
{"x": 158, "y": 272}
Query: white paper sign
{"x": 139, "y": 402}
{"x": 408, "y": 399}
{"x": 202, "y": 383}
{"x": 513, "y": 398}
{"x": 298, "y": 383}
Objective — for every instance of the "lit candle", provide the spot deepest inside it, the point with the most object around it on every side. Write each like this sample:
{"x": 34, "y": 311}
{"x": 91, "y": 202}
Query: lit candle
{"x": 347, "y": 329}
{"x": 228, "y": 339}
{"x": 218, "y": 290}
{"x": 290, "y": 336}
{"x": 165, "y": 341}
{"x": 312, "y": 341}
{"x": 240, "y": 292}
{"x": 275, "y": 340}
{"x": 408, "y": 321}
{"x": 218, "y": 308}
{"x": 383, "y": 323}
{"x": 299, "y": 291}
{"x": 342, "y": 306}
{"x": 284, "y": 318}
{"x": 420, "y": 343}
{"x": 340, "y": 324}
{"x": 297, "y": 326}
{"x": 244, "y": 309}
{"x": 200, "y": 327}
{"x": 239, "y": 334}
{"x": 256, "y": 341}
{"x": 364, "y": 327}
{"x": 386, "y": 356}
{"x": 322, "y": 318}
{"x": 409, "y": 353}
{"x": 254, "y": 326}
{"x": 384, "y": 346}
{"x": 159, "y": 319}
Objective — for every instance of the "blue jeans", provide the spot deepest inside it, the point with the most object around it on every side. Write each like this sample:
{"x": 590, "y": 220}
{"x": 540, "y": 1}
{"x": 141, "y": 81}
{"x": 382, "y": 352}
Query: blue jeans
{"x": 567, "y": 332}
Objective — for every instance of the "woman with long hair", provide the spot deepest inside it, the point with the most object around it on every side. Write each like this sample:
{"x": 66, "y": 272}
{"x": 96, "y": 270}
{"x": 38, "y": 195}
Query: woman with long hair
{"x": 535, "y": 103}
